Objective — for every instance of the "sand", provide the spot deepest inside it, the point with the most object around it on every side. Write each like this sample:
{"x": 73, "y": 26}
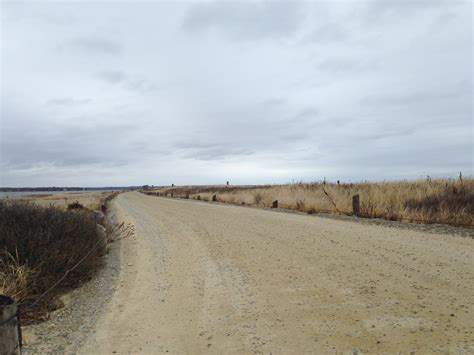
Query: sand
{"x": 210, "y": 278}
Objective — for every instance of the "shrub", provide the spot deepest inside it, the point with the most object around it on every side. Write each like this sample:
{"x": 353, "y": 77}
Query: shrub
{"x": 257, "y": 197}
{"x": 300, "y": 206}
{"x": 37, "y": 246}
{"x": 75, "y": 206}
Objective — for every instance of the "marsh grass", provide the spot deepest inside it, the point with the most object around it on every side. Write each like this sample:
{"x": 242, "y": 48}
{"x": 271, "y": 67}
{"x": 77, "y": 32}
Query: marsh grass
{"x": 441, "y": 201}
{"x": 89, "y": 200}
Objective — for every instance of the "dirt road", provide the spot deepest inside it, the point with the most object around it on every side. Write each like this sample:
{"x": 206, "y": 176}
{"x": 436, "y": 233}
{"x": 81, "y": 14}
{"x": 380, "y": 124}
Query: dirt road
{"x": 208, "y": 278}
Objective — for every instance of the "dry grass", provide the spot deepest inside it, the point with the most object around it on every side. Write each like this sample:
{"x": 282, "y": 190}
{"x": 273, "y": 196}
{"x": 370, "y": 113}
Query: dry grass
{"x": 89, "y": 200}
{"x": 424, "y": 201}
{"x": 13, "y": 276}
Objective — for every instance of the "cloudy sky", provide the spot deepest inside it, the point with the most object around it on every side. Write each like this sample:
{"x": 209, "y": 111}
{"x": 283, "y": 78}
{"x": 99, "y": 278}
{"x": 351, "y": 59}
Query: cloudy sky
{"x": 123, "y": 93}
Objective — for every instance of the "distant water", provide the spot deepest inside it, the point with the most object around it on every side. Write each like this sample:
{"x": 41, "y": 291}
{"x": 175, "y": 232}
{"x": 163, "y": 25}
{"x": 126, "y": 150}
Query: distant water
{"x": 18, "y": 194}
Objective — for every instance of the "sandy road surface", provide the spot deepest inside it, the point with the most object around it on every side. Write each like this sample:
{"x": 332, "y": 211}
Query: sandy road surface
{"x": 208, "y": 278}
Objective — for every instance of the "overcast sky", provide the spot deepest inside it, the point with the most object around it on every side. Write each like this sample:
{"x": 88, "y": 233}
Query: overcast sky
{"x": 124, "y": 93}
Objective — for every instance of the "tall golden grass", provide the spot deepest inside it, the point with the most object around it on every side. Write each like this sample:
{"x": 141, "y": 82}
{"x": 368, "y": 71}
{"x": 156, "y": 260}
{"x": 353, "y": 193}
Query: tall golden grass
{"x": 443, "y": 201}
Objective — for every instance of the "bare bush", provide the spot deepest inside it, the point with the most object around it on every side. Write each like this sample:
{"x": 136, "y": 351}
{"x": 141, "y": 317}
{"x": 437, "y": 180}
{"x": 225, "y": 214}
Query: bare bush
{"x": 116, "y": 232}
{"x": 300, "y": 206}
{"x": 257, "y": 197}
{"x": 37, "y": 246}
{"x": 75, "y": 206}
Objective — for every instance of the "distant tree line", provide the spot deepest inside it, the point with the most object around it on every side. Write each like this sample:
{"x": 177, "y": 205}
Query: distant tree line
{"x": 56, "y": 188}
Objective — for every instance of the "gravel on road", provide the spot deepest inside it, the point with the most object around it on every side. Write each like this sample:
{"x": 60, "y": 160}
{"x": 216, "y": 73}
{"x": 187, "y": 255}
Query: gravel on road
{"x": 210, "y": 278}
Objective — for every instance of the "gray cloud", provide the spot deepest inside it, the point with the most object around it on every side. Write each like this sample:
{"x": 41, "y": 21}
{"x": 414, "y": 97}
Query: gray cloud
{"x": 92, "y": 44}
{"x": 344, "y": 65}
{"x": 248, "y": 21}
{"x": 254, "y": 92}
{"x": 216, "y": 153}
{"x": 328, "y": 33}
{"x": 460, "y": 90}
{"x": 27, "y": 142}
{"x": 116, "y": 77}
{"x": 112, "y": 76}
{"x": 141, "y": 85}
{"x": 68, "y": 101}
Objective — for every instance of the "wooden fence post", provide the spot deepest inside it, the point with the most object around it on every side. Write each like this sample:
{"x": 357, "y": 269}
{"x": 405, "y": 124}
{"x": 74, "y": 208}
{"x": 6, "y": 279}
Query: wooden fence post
{"x": 10, "y": 331}
{"x": 356, "y": 205}
{"x": 275, "y": 204}
{"x": 214, "y": 198}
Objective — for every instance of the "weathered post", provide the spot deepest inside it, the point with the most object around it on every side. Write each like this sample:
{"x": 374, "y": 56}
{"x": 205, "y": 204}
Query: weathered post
{"x": 356, "y": 205}
{"x": 214, "y": 198}
{"x": 275, "y": 204}
{"x": 10, "y": 331}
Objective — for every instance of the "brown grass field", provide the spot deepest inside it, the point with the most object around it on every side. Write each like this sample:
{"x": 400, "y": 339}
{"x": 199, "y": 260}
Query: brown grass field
{"x": 443, "y": 201}
{"x": 89, "y": 200}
